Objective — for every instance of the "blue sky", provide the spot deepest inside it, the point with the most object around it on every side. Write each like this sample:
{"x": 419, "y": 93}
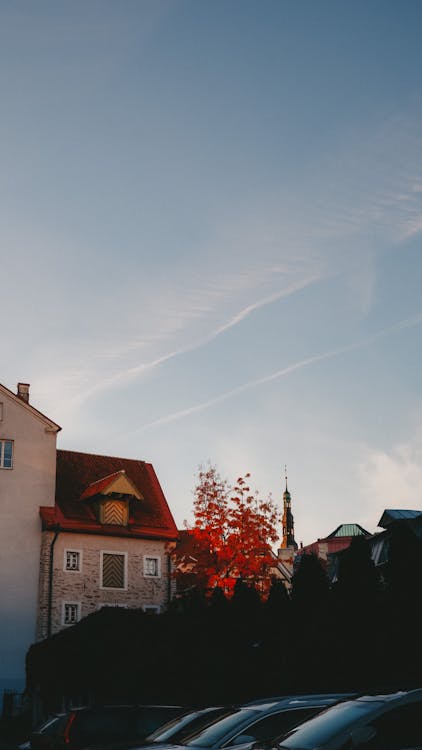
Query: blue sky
{"x": 211, "y": 222}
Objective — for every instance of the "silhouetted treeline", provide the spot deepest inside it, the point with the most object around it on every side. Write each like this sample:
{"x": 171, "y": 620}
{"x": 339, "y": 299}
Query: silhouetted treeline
{"x": 363, "y": 632}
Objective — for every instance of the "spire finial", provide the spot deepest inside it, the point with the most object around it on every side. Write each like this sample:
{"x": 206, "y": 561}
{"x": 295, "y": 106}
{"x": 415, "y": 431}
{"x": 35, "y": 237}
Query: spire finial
{"x": 285, "y": 473}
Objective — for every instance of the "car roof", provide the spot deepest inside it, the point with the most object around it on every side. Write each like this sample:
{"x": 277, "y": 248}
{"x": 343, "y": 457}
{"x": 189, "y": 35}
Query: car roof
{"x": 399, "y": 696}
{"x": 295, "y": 702}
{"x": 379, "y": 703}
{"x": 99, "y": 706}
{"x": 300, "y": 697}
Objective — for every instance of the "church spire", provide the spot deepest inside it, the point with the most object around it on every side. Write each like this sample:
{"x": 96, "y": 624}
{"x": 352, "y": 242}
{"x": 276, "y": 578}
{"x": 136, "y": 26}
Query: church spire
{"x": 288, "y": 520}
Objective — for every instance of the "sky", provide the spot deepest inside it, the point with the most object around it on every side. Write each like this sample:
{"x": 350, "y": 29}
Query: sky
{"x": 210, "y": 241}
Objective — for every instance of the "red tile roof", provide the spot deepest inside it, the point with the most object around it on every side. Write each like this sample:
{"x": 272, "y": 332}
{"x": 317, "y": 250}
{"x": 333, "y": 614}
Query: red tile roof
{"x": 97, "y": 487}
{"x": 150, "y": 517}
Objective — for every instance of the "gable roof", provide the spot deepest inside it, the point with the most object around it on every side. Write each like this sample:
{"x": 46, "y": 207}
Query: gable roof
{"x": 390, "y": 515}
{"x": 118, "y": 482}
{"x": 53, "y": 426}
{"x": 76, "y": 472}
{"x": 348, "y": 529}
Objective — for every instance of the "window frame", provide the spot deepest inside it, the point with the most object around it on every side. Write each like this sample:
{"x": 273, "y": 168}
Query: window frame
{"x": 125, "y": 570}
{"x": 151, "y": 609}
{"x": 66, "y": 603}
{"x": 72, "y": 570}
{"x": 3, "y": 442}
{"x": 158, "y": 560}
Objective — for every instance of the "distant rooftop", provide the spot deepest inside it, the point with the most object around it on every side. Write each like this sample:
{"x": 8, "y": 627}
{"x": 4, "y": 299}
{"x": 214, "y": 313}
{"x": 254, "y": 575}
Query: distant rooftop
{"x": 389, "y": 516}
{"x": 348, "y": 529}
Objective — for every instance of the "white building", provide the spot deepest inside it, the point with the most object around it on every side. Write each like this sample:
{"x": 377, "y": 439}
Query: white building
{"x": 27, "y": 480}
{"x": 77, "y": 532}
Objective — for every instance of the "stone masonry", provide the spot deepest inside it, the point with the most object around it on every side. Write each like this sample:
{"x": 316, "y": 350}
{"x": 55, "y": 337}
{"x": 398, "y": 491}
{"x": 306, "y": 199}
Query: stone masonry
{"x": 83, "y": 587}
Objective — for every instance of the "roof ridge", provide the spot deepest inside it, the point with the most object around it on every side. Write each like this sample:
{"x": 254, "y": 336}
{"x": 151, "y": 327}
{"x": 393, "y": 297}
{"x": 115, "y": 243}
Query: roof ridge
{"x": 103, "y": 455}
{"x": 107, "y": 476}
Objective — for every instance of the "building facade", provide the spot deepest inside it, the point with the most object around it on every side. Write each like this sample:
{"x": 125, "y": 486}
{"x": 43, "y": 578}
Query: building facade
{"x": 106, "y": 542}
{"x": 77, "y": 532}
{"x": 27, "y": 480}
{"x": 327, "y": 548}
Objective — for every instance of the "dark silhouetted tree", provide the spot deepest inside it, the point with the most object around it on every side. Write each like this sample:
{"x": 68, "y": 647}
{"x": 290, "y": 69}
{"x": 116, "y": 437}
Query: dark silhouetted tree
{"x": 278, "y": 603}
{"x": 310, "y": 586}
{"x": 357, "y": 583}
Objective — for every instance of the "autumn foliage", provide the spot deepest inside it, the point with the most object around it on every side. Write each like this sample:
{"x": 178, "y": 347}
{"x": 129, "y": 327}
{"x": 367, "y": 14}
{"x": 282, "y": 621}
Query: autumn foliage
{"x": 232, "y": 533}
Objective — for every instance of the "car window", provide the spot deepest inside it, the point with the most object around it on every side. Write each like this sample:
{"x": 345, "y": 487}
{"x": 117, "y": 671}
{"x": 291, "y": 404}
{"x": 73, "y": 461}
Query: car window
{"x": 324, "y": 727}
{"x": 53, "y": 726}
{"x": 172, "y": 725}
{"x": 277, "y": 724}
{"x": 150, "y": 718}
{"x": 398, "y": 729}
{"x": 218, "y": 731}
{"x": 97, "y": 725}
{"x": 189, "y": 725}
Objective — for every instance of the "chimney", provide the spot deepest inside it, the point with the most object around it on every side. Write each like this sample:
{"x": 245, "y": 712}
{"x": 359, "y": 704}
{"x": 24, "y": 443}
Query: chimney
{"x": 23, "y": 391}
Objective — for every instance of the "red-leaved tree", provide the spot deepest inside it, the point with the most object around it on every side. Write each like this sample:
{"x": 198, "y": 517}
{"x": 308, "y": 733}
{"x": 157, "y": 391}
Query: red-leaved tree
{"x": 232, "y": 533}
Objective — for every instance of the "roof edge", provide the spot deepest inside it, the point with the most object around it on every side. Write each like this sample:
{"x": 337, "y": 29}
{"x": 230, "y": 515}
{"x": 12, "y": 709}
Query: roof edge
{"x": 36, "y": 412}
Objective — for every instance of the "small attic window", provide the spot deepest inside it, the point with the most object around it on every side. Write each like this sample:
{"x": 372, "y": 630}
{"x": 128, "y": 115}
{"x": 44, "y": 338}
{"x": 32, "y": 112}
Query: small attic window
{"x": 114, "y": 512}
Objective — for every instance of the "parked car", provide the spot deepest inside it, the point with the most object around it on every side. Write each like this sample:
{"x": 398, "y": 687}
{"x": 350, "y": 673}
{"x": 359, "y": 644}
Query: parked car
{"x": 47, "y": 726}
{"x": 179, "y": 729}
{"x": 84, "y": 727}
{"x": 375, "y": 722}
{"x": 243, "y": 726}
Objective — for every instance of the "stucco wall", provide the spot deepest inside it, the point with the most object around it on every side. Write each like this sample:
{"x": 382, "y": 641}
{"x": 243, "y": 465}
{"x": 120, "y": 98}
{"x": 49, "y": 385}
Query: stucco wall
{"x": 85, "y": 586}
{"x": 29, "y": 484}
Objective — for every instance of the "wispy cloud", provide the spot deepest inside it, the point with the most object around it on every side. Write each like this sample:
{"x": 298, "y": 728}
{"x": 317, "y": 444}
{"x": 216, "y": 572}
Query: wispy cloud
{"x": 401, "y": 325}
{"x": 392, "y": 478}
{"x": 373, "y": 184}
{"x": 125, "y": 375}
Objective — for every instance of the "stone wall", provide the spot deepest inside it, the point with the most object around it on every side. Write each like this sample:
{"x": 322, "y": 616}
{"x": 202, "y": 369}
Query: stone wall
{"x": 84, "y": 586}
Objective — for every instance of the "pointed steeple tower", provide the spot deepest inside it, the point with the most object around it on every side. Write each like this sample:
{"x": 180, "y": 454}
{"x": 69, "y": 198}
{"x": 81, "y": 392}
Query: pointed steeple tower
{"x": 288, "y": 540}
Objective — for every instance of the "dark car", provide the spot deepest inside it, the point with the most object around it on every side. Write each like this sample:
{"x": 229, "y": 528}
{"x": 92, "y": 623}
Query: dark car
{"x": 179, "y": 729}
{"x": 372, "y": 722}
{"x": 86, "y": 727}
{"x": 245, "y": 725}
{"x": 176, "y": 730}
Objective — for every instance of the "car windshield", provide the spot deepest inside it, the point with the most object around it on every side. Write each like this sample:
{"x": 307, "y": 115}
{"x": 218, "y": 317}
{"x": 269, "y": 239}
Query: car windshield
{"x": 53, "y": 726}
{"x": 179, "y": 729}
{"x": 322, "y": 728}
{"x": 212, "y": 734}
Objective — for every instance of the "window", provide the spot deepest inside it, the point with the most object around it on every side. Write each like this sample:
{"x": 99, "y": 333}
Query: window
{"x": 6, "y": 454}
{"x": 399, "y": 728}
{"x": 71, "y": 613}
{"x": 72, "y": 560}
{"x": 113, "y": 570}
{"x": 97, "y": 726}
{"x": 275, "y": 725}
{"x": 151, "y": 567}
{"x": 114, "y": 512}
{"x": 113, "y": 605}
{"x": 151, "y": 609}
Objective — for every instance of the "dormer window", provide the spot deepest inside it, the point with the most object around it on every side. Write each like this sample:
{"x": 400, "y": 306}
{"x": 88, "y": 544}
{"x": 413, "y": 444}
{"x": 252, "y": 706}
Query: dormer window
{"x": 110, "y": 498}
{"x": 114, "y": 512}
